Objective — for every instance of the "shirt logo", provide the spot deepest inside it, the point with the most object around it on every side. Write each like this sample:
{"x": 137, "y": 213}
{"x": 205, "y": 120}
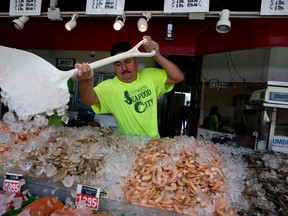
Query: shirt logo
{"x": 140, "y": 99}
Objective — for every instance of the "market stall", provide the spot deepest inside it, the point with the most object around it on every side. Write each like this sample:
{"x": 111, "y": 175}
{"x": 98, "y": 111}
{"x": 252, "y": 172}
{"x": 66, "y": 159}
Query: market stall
{"x": 167, "y": 176}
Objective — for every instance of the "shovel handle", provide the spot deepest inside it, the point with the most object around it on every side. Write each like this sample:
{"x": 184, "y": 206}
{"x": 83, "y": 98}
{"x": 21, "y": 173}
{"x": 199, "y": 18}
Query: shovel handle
{"x": 133, "y": 52}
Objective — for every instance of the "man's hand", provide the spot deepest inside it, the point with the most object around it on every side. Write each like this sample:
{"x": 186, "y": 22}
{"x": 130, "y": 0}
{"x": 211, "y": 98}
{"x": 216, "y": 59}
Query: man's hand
{"x": 84, "y": 72}
{"x": 151, "y": 45}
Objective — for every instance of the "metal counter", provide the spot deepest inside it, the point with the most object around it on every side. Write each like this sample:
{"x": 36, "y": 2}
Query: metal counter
{"x": 46, "y": 187}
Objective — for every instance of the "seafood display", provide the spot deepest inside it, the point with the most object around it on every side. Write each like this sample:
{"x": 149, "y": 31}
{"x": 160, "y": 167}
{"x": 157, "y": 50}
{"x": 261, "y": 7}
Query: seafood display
{"x": 178, "y": 180}
{"x": 266, "y": 185}
{"x": 179, "y": 174}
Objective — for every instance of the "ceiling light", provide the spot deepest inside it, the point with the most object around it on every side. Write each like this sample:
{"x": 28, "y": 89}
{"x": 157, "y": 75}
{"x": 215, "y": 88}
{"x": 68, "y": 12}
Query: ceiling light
{"x": 118, "y": 24}
{"x": 223, "y": 25}
{"x": 20, "y": 22}
{"x": 143, "y": 23}
{"x": 72, "y": 23}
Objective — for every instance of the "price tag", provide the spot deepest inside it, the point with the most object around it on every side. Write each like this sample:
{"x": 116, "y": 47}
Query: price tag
{"x": 12, "y": 182}
{"x": 90, "y": 195}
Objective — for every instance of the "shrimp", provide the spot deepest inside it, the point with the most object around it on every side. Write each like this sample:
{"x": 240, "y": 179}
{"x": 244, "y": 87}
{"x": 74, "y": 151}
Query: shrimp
{"x": 144, "y": 203}
{"x": 217, "y": 184}
{"x": 172, "y": 187}
{"x": 217, "y": 170}
{"x": 174, "y": 176}
{"x": 156, "y": 167}
{"x": 145, "y": 192}
{"x": 176, "y": 208}
{"x": 146, "y": 177}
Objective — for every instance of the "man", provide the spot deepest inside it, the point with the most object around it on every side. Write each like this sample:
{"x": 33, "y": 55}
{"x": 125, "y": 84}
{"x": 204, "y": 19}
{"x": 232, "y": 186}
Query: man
{"x": 131, "y": 96}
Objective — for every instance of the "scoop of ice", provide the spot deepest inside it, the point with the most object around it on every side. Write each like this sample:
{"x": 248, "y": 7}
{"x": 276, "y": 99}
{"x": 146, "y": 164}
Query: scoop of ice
{"x": 30, "y": 84}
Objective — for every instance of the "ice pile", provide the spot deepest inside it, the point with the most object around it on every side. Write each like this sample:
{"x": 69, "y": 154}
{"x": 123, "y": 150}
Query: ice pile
{"x": 30, "y": 85}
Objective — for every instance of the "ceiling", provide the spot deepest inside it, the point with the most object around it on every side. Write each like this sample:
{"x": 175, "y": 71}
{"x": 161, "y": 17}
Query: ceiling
{"x": 191, "y": 36}
{"x": 146, "y": 5}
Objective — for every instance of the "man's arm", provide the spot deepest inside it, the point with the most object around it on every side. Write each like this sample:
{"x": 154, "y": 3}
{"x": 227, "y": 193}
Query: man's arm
{"x": 86, "y": 75}
{"x": 175, "y": 75}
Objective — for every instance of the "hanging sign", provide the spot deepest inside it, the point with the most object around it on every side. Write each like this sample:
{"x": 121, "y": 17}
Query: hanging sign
{"x": 220, "y": 85}
{"x": 184, "y": 6}
{"x": 25, "y": 7}
{"x": 274, "y": 7}
{"x": 105, "y": 7}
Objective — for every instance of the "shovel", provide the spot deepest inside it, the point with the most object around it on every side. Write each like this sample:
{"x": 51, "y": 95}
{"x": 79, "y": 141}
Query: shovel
{"x": 30, "y": 85}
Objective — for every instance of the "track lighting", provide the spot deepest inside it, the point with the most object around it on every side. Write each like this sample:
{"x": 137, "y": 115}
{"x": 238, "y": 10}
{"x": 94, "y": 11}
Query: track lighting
{"x": 20, "y": 22}
{"x": 223, "y": 25}
{"x": 143, "y": 23}
{"x": 53, "y": 12}
{"x": 118, "y": 24}
{"x": 72, "y": 23}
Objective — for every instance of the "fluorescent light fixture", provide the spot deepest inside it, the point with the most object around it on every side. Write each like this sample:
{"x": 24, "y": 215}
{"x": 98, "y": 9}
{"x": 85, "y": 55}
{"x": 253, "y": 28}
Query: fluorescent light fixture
{"x": 118, "y": 24}
{"x": 20, "y": 22}
{"x": 143, "y": 23}
{"x": 72, "y": 23}
{"x": 223, "y": 25}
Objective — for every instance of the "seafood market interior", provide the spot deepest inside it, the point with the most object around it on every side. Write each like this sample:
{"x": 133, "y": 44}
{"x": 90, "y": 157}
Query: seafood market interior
{"x": 236, "y": 72}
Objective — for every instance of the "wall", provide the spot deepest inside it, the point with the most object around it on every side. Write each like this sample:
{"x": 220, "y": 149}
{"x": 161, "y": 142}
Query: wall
{"x": 257, "y": 66}
{"x": 249, "y": 65}
{"x": 278, "y": 67}
{"x": 192, "y": 37}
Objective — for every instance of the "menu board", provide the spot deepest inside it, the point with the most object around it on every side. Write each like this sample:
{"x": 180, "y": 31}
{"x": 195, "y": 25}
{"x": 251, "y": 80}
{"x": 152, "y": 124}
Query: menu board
{"x": 25, "y": 7}
{"x": 274, "y": 7}
{"x": 184, "y": 6}
{"x": 105, "y": 7}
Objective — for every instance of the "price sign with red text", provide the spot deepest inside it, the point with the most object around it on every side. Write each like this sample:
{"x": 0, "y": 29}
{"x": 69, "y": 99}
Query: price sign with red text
{"x": 12, "y": 182}
{"x": 88, "y": 195}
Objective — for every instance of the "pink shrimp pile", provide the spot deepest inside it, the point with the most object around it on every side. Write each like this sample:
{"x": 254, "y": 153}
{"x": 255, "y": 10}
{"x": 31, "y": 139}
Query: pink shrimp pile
{"x": 177, "y": 183}
{"x": 16, "y": 137}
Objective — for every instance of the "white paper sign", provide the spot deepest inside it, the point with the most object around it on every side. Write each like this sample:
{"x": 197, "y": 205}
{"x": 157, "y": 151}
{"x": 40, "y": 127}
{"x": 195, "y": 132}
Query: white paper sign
{"x": 280, "y": 143}
{"x": 25, "y": 7}
{"x": 274, "y": 7}
{"x": 184, "y": 6}
{"x": 105, "y": 7}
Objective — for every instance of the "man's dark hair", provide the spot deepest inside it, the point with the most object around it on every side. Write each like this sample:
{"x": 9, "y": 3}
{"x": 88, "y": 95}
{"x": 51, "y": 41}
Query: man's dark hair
{"x": 120, "y": 46}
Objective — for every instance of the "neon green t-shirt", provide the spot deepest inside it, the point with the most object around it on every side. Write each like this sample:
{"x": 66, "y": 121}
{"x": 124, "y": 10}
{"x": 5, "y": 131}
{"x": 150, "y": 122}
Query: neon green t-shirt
{"x": 134, "y": 105}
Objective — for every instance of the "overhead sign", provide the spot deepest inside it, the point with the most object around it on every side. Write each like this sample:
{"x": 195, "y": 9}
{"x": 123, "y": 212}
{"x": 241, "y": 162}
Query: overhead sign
{"x": 274, "y": 7}
{"x": 25, "y": 7}
{"x": 105, "y": 7}
{"x": 186, "y": 6}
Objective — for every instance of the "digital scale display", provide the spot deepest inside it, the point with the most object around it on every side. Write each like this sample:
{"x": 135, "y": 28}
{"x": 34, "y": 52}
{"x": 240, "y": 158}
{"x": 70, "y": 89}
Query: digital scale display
{"x": 278, "y": 96}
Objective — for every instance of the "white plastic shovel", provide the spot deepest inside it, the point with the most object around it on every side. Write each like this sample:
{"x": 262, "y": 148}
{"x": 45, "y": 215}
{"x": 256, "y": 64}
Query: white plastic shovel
{"x": 30, "y": 85}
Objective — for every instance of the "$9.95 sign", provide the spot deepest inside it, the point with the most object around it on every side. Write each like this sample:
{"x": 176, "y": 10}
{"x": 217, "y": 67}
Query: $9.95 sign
{"x": 12, "y": 182}
{"x": 88, "y": 195}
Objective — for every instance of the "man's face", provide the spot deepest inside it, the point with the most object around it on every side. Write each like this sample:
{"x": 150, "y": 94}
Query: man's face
{"x": 126, "y": 69}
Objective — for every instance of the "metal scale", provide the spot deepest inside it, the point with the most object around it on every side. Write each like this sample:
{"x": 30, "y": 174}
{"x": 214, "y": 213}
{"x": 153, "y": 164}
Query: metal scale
{"x": 274, "y": 96}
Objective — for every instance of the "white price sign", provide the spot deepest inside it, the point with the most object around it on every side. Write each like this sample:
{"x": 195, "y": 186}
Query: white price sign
{"x": 88, "y": 195}
{"x": 12, "y": 182}
{"x": 25, "y": 7}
